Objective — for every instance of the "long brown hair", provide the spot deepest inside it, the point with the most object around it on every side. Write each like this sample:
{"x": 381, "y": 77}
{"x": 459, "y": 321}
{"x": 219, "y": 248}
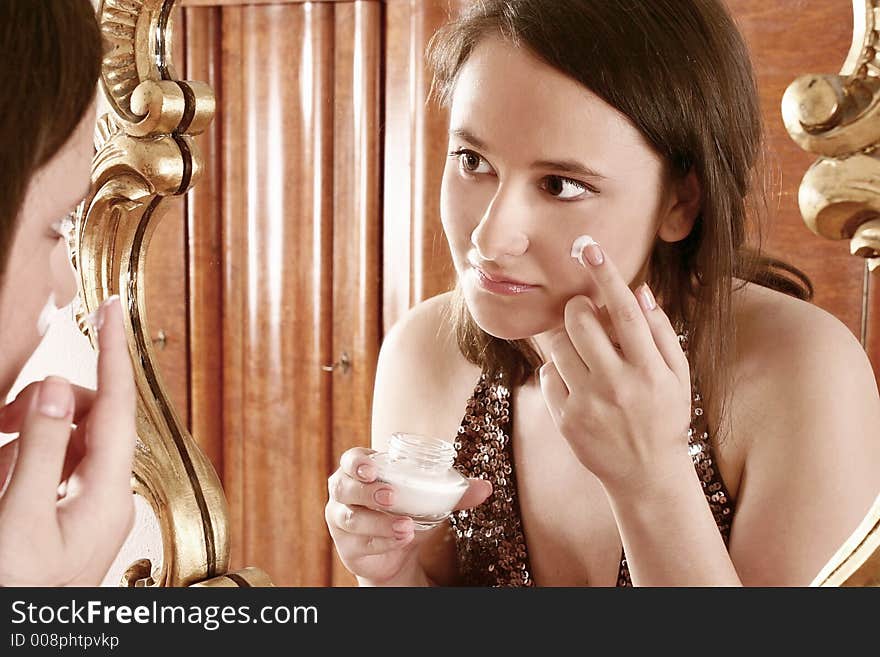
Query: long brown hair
{"x": 50, "y": 58}
{"x": 681, "y": 72}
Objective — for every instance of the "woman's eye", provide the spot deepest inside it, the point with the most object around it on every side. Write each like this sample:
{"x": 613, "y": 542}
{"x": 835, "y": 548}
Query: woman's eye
{"x": 565, "y": 189}
{"x": 470, "y": 162}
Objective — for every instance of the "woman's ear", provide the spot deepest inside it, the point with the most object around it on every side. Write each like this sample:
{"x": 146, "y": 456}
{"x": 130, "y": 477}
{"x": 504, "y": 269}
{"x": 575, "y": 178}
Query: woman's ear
{"x": 685, "y": 202}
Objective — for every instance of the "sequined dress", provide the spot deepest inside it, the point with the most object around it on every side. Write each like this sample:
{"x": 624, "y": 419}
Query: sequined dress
{"x": 490, "y": 543}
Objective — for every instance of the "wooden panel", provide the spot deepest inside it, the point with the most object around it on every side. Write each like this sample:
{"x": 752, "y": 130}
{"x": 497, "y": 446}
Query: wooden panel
{"x": 276, "y": 72}
{"x": 204, "y": 251}
{"x": 356, "y": 228}
{"x": 811, "y": 37}
{"x": 165, "y": 284}
{"x": 416, "y": 262}
{"x": 229, "y": 121}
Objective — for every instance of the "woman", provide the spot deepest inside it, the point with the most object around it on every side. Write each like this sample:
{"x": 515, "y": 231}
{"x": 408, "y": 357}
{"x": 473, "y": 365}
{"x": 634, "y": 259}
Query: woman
{"x": 664, "y": 408}
{"x": 65, "y": 494}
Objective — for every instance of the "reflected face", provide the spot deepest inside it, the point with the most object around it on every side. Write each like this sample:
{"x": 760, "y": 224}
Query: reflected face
{"x": 536, "y": 160}
{"x": 38, "y": 267}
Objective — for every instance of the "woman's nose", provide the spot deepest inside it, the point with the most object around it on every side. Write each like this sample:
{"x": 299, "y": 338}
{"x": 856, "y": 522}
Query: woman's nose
{"x": 500, "y": 232}
{"x": 63, "y": 275}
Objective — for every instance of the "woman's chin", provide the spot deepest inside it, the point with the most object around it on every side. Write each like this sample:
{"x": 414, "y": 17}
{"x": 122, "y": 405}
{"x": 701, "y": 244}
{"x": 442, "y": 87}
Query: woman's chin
{"x": 507, "y": 326}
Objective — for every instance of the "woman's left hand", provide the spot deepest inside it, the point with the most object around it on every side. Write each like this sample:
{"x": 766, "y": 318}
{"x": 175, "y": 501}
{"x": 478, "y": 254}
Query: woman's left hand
{"x": 625, "y": 410}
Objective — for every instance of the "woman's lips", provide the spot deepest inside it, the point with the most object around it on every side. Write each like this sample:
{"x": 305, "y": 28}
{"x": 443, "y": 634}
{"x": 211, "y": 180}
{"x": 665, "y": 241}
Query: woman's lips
{"x": 497, "y": 285}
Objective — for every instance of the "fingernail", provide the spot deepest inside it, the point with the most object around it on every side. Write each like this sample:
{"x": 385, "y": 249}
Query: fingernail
{"x": 366, "y": 472}
{"x": 594, "y": 254}
{"x": 384, "y": 496}
{"x": 401, "y": 526}
{"x": 55, "y": 398}
{"x": 646, "y": 297}
{"x": 96, "y": 318}
{"x": 102, "y": 311}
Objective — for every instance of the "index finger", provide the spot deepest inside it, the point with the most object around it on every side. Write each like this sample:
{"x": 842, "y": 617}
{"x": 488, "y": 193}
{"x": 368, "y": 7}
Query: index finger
{"x": 627, "y": 318}
{"x": 12, "y": 415}
{"x": 110, "y": 431}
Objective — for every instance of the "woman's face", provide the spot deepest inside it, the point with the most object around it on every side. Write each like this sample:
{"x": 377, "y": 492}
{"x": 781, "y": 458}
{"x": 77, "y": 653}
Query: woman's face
{"x": 38, "y": 266}
{"x": 537, "y": 160}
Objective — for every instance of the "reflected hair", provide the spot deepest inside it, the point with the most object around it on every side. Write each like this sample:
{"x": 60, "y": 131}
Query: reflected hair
{"x": 50, "y": 59}
{"x": 681, "y": 72}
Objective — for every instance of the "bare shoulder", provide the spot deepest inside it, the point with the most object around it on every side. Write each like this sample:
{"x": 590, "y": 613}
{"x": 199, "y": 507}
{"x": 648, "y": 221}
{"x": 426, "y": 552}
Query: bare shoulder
{"x": 794, "y": 359}
{"x": 422, "y": 380}
{"x": 423, "y": 341}
{"x": 427, "y": 323}
{"x": 784, "y": 339}
{"x": 803, "y": 413}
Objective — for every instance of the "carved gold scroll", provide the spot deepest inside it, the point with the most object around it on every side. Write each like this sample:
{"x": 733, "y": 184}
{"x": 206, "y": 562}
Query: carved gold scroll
{"x": 146, "y": 154}
{"x": 838, "y": 118}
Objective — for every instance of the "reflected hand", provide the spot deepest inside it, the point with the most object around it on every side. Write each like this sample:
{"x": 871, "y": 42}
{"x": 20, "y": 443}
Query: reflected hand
{"x": 12, "y": 419}
{"x": 67, "y": 506}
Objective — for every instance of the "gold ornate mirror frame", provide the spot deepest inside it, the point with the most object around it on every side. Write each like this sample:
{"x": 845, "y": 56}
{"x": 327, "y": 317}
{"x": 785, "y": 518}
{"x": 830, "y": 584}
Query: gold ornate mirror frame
{"x": 146, "y": 154}
{"x": 838, "y": 118}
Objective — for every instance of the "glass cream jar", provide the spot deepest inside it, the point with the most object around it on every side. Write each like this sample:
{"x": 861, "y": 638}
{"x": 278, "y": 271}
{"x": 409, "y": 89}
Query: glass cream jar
{"x": 426, "y": 485}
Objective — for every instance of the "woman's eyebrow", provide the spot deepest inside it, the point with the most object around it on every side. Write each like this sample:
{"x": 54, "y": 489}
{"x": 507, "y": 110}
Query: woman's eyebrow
{"x": 568, "y": 166}
{"x": 463, "y": 133}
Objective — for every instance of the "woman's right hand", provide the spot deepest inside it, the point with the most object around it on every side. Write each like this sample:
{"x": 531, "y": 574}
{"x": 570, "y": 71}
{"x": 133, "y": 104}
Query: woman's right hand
{"x": 67, "y": 506}
{"x": 379, "y": 548}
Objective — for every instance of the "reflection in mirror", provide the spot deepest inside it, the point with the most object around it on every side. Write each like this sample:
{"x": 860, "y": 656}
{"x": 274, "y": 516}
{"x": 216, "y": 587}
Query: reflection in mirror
{"x": 316, "y": 227}
{"x": 662, "y": 185}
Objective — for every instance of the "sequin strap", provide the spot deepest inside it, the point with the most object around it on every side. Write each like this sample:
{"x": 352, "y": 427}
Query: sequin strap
{"x": 490, "y": 543}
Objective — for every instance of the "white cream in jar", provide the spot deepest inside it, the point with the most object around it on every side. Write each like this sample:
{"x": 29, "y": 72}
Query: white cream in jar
{"x": 420, "y": 470}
